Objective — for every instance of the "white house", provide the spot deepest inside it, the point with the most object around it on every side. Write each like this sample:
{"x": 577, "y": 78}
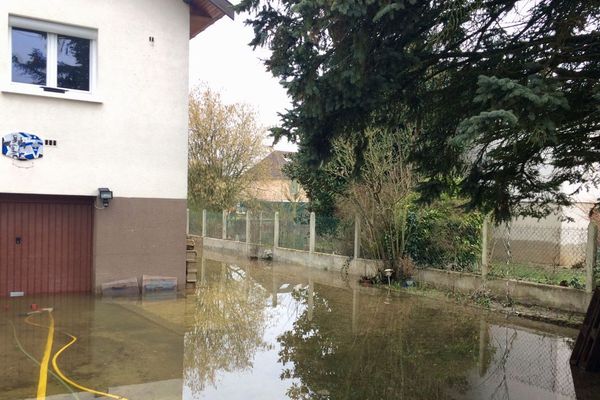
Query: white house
{"x": 100, "y": 88}
{"x": 558, "y": 239}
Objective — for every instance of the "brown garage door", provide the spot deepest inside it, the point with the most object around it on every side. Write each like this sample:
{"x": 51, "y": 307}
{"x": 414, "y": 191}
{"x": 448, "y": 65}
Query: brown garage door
{"x": 45, "y": 244}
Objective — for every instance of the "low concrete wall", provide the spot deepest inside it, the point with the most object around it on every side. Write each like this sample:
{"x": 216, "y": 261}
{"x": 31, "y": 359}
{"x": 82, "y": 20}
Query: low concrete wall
{"x": 561, "y": 298}
{"x": 328, "y": 262}
{"x": 529, "y": 293}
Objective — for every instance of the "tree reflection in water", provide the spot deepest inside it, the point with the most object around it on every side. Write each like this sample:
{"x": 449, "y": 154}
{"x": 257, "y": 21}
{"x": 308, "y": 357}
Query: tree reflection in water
{"x": 228, "y": 324}
{"x": 398, "y": 350}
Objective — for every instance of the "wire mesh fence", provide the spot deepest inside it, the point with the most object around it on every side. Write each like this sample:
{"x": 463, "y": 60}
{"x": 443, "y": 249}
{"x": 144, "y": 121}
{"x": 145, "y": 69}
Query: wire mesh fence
{"x": 266, "y": 223}
{"x": 253, "y": 219}
{"x": 334, "y": 236}
{"x": 214, "y": 224}
{"x": 195, "y": 222}
{"x": 552, "y": 255}
{"x": 294, "y": 231}
{"x": 236, "y": 226}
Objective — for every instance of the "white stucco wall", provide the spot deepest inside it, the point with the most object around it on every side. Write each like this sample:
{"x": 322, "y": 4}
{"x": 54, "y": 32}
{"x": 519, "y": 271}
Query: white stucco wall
{"x": 135, "y": 140}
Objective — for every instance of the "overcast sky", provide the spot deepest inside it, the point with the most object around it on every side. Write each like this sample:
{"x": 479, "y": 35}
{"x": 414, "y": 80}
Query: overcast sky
{"x": 221, "y": 57}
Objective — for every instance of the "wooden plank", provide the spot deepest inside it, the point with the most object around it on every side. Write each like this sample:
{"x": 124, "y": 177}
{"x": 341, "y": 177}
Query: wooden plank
{"x": 586, "y": 353}
{"x": 191, "y": 244}
{"x": 191, "y": 256}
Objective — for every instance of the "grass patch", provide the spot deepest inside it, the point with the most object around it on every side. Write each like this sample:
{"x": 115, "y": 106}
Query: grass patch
{"x": 558, "y": 276}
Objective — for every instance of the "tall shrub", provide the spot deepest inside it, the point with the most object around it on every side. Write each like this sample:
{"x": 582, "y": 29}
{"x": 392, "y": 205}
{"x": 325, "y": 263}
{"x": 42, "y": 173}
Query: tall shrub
{"x": 443, "y": 235}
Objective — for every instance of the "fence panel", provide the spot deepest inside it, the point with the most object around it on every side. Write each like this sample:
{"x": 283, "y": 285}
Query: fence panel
{"x": 195, "y": 222}
{"x": 236, "y": 226}
{"x": 334, "y": 236}
{"x": 267, "y": 227}
{"x": 550, "y": 255}
{"x": 214, "y": 224}
{"x": 294, "y": 231}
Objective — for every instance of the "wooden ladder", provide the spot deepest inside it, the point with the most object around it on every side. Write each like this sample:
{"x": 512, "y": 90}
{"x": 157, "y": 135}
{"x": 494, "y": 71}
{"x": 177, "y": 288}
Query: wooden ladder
{"x": 191, "y": 255}
{"x": 586, "y": 354}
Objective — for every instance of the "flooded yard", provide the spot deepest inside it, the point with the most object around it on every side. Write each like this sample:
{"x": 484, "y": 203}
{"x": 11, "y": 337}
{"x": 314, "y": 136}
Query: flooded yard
{"x": 264, "y": 331}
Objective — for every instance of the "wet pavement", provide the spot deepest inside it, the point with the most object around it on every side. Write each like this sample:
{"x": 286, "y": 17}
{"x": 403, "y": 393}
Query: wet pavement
{"x": 264, "y": 331}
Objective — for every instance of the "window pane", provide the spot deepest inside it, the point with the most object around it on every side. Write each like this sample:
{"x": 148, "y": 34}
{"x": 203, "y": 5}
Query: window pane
{"x": 29, "y": 56}
{"x": 73, "y": 63}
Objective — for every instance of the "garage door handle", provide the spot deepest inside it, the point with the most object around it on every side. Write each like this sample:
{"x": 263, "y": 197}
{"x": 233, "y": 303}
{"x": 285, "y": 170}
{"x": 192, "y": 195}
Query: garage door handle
{"x": 18, "y": 240}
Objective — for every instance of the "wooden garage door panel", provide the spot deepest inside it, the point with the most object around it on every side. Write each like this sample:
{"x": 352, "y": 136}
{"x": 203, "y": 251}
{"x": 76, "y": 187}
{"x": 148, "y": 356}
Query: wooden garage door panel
{"x": 55, "y": 250}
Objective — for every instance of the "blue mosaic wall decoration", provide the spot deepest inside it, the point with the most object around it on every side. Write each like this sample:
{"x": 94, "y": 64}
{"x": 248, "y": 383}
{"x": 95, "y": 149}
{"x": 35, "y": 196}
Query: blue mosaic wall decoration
{"x": 22, "y": 146}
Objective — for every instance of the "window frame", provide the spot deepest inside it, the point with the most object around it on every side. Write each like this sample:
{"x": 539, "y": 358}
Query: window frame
{"x": 294, "y": 187}
{"x": 52, "y": 31}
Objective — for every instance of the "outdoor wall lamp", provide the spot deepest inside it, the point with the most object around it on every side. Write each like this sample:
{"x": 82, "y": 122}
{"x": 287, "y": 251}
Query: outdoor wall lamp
{"x": 105, "y": 195}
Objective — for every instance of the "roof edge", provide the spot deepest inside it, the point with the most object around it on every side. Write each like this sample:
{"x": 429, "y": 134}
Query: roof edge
{"x": 222, "y": 5}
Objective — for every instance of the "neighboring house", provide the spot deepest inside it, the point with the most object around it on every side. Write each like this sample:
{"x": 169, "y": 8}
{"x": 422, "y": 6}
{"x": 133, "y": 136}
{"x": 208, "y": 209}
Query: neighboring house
{"x": 275, "y": 186}
{"x": 558, "y": 239}
{"x": 100, "y": 91}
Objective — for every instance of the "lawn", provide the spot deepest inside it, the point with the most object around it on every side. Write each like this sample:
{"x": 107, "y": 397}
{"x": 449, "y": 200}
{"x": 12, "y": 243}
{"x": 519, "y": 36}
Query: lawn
{"x": 549, "y": 275}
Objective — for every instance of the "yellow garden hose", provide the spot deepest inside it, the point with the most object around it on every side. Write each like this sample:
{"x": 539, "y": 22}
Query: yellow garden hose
{"x": 75, "y": 384}
{"x": 33, "y": 359}
{"x": 44, "y": 366}
{"x": 43, "y": 378}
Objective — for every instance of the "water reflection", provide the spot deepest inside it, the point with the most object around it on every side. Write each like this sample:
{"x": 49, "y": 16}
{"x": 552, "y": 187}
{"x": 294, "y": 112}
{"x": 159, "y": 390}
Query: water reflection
{"x": 228, "y": 326}
{"x": 256, "y": 331}
{"x": 525, "y": 364}
{"x": 393, "y": 353}
{"x": 314, "y": 336}
{"x": 28, "y": 56}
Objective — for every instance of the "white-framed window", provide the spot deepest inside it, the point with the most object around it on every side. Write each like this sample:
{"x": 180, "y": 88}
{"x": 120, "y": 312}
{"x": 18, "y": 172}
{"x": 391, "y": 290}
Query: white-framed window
{"x": 49, "y": 58}
{"x": 294, "y": 187}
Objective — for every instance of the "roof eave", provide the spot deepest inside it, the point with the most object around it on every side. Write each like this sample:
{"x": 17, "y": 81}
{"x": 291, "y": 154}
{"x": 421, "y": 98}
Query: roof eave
{"x": 204, "y": 13}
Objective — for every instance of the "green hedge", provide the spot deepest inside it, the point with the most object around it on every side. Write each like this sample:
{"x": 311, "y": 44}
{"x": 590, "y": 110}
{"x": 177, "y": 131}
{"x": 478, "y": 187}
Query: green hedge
{"x": 444, "y": 236}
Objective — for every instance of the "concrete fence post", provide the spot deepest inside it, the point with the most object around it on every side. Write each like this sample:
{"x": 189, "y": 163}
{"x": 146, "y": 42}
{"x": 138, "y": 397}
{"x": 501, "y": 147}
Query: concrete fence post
{"x": 203, "y": 223}
{"x": 224, "y": 236}
{"x": 248, "y": 215}
{"x": 485, "y": 255}
{"x": 311, "y": 299}
{"x": 356, "y": 237}
{"x": 260, "y": 224}
{"x": 590, "y": 256}
{"x": 312, "y": 226}
{"x": 187, "y": 221}
{"x": 276, "y": 230}
{"x": 247, "y": 228}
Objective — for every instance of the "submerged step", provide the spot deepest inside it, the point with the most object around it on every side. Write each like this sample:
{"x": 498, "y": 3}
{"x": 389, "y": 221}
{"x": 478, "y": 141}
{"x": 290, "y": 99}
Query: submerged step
{"x": 154, "y": 283}
{"x": 122, "y": 287}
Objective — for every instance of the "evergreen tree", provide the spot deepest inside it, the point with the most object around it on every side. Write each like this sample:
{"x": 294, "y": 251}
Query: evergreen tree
{"x": 503, "y": 95}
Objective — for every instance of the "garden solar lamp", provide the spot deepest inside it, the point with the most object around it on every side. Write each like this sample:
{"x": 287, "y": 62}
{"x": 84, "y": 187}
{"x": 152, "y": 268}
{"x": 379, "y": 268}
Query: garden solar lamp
{"x": 388, "y": 272}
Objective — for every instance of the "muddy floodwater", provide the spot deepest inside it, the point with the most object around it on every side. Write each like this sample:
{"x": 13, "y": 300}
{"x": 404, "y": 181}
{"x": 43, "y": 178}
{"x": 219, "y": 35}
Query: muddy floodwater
{"x": 264, "y": 331}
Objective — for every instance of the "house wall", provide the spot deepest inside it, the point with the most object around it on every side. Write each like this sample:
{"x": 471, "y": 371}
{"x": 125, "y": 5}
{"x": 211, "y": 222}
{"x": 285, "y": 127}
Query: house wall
{"x": 574, "y": 233}
{"x": 132, "y": 138}
{"x": 558, "y": 239}
{"x": 531, "y": 240}
{"x": 277, "y": 190}
{"x": 574, "y": 227}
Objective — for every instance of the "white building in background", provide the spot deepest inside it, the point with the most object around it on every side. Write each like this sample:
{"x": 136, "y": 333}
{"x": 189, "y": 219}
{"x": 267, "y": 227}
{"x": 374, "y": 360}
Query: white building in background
{"x": 104, "y": 86}
{"x": 558, "y": 239}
